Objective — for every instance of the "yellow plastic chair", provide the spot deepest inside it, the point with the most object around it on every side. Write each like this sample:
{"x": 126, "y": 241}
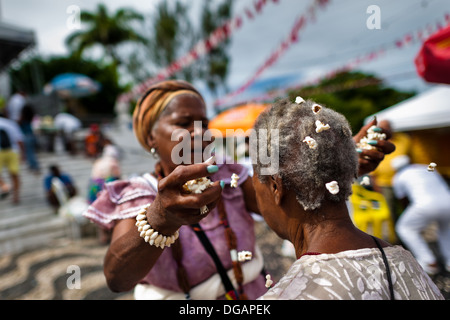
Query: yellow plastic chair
{"x": 370, "y": 209}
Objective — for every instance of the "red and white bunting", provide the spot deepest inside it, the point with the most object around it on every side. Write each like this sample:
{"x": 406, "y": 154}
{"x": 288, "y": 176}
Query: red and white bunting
{"x": 408, "y": 39}
{"x": 292, "y": 38}
{"x": 201, "y": 48}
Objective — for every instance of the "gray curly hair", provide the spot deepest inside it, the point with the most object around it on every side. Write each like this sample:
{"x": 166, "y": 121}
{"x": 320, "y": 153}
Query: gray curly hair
{"x": 301, "y": 168}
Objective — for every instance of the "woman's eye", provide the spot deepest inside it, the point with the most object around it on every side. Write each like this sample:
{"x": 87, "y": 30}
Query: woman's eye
{"x": 186, "y": 124}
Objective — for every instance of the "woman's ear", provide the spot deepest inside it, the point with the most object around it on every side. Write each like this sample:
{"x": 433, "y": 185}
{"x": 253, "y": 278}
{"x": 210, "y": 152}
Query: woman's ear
{"x": 151, "y": 140}
{"x": 276, "y": 186}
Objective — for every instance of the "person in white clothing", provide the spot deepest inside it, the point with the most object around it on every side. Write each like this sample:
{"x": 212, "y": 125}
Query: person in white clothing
{"x": 68, "y": 124}
{"x": 429, "y": 201}
{"x": 15, "y": 105}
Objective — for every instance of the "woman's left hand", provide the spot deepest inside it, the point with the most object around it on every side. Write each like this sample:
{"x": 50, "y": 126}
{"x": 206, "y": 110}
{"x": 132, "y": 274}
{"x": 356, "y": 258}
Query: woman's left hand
{"x": 370, "y": 159}
{"x": 173, "y": 207}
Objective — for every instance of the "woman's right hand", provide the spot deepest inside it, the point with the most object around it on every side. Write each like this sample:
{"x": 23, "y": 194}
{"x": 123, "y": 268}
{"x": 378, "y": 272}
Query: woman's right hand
{"x": 173, "y": 207}
{"x": 370, "y": 159}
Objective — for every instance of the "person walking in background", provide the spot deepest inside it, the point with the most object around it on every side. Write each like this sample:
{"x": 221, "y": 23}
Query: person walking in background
{"x": 12, "y": 150}
{"x": 429, "y": 201}
{"x": 94, "y": 141}
{"x": 68, "y": 124}
{"x": 25, "y": 121}
{"x": 15, "y": 105}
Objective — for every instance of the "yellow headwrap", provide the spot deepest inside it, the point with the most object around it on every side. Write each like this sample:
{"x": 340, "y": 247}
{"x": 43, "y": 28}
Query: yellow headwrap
{"x": 153, "y": 103}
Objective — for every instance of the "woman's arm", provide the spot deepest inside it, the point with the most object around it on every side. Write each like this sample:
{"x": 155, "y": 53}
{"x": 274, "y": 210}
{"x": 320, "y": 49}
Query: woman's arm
{"x": 129, "y": 258}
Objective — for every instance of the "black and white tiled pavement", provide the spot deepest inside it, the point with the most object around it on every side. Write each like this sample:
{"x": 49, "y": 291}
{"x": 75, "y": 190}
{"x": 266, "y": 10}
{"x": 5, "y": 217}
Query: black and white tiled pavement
{"x": 37, "y": 246}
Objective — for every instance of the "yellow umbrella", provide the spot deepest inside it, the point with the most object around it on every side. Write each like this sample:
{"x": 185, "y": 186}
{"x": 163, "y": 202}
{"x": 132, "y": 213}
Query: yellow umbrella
{"x": 240, "y": 117}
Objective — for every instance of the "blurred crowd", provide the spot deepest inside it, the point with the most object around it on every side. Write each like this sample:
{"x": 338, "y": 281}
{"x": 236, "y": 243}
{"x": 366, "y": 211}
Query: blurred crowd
{"x": 24, "y": 133}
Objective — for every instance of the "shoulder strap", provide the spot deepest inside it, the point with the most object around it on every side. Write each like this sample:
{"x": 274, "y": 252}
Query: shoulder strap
{"x": 212, "y": 252}
{"x": 388, "y": 271}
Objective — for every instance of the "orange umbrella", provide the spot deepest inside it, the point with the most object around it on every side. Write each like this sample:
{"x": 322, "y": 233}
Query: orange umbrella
{"x": 240, "y": 117}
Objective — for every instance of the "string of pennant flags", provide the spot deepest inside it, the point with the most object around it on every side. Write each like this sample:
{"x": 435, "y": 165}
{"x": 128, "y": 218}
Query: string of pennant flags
{"x": 292, "y": 38}
{"x": 406, "y": 40}
{"x": 202, "y": 47}
{"x": 251, "y": 12}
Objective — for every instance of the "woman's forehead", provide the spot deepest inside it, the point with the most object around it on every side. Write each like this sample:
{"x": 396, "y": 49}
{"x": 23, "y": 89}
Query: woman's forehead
{"x": 186, "y": 105}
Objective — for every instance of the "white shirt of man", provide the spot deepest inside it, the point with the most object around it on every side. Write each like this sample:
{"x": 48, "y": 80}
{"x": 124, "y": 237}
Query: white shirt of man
{"x": 15, "y": 106}
{"x": 67, "y": 122}
{"x": 14, "y": 133}
{"x": 420, "y": 186}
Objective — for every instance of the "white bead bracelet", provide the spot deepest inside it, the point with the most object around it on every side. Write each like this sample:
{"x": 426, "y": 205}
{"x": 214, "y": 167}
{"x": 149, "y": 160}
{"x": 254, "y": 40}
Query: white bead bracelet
{"x": 154, "y": 238}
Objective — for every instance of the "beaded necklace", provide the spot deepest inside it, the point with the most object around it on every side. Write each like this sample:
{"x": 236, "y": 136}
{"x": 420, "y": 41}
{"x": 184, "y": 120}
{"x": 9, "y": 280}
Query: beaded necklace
{"x": 230, "y": 236}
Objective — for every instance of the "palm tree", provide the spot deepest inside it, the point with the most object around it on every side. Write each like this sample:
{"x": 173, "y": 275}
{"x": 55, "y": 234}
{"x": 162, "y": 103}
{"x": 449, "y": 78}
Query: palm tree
{"x": 171, "y": 32}
{"x": 108, "y": 31}
{"x": 170, "y": 28}
{"x": 214, "y": 67}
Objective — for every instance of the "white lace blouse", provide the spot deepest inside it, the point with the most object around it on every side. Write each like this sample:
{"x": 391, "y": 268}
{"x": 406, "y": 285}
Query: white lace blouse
{"x": 355, "y": 275}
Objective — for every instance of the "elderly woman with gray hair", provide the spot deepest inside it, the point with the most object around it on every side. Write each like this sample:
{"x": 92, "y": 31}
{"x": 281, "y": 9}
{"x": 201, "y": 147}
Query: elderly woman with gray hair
{"x": 305, "y": 202}
{"x": 164, "y": 244}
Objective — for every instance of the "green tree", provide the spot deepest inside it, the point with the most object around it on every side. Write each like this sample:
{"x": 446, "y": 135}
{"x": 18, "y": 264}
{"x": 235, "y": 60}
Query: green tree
{"x": 171, "y": 35}
{"x": 214, "y": 66}
{"x": 355, "y": 94}
{"x": 167, "y": 35}
{"x": 106, "y": 30}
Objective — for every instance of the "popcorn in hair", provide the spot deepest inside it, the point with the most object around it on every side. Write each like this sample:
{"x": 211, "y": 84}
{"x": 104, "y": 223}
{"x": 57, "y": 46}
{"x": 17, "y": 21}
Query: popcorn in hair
{"x": 307, "y": 171}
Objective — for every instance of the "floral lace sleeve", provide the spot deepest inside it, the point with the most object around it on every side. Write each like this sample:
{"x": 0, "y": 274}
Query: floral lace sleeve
{"x": 119, "y": 200}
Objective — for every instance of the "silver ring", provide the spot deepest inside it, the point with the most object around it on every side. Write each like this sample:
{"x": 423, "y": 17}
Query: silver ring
{"x": 204, "y": 210}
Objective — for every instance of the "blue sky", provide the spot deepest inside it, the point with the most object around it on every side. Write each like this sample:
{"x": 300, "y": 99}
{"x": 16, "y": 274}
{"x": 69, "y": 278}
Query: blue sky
{"x": 339, "y": 34}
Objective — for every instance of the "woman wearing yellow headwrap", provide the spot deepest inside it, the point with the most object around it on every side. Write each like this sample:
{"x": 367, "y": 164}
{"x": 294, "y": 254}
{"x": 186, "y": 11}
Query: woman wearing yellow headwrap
{"x": 188, "y": 268}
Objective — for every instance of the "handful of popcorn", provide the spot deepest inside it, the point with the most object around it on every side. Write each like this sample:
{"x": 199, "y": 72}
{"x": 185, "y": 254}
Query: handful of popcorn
{"x": 372, "y": 135}
{"x": 198, "y": 186}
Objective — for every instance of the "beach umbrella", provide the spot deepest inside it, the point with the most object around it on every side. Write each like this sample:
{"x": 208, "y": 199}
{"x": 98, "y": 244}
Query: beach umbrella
{"x": 240, "y": 117}
{"x": 72, "y": 85}
{"x": 433, "y": 60}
